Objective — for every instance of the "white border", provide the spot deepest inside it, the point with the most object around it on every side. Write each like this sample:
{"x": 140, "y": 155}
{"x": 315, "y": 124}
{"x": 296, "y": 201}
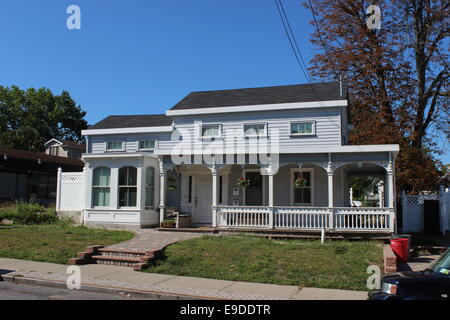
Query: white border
{"x": 94, "y": 132}
{"x": 259, "y": 107}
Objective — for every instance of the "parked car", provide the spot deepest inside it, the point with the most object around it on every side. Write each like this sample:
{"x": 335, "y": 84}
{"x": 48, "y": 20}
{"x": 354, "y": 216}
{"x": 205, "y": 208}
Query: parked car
{"x": 430, "y": 284}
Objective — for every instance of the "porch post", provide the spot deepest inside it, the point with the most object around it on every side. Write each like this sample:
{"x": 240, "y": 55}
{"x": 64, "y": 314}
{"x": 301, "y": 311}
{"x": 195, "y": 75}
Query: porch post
{"x": 162, "y": 189}
{"x": 330, "y": 172}
{"x": 214, "y": 195}
{"x": 271, "y": 209}
{"x": 391, "y": 188}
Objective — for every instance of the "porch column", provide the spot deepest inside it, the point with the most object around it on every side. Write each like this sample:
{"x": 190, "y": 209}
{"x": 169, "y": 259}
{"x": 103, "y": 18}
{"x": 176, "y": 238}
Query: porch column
{"x": 271, "y": 209}
{"x": 215, "y": 188}
{"x": 162, "y": 195}
{"x": 391, "y": 189}
{"x": 330, "y": 189}
{"x": 330, "y": 172}
{"x": 162, "y": 188}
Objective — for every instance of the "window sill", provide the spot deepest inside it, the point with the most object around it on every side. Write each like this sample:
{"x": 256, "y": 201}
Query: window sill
{"x": 302, "y": 135}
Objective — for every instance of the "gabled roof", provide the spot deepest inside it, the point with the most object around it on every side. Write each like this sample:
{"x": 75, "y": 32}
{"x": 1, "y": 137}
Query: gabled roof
{"x": 69, "y": 143}
{"x": 133, "y": 121}
{"x": 326, "y": 91}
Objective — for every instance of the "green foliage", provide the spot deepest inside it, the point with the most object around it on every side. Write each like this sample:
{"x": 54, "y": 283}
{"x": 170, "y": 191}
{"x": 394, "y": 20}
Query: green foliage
{"x": 29, "y": 118}
{"x": 29, "y": 213}
{"x": 362, "y": 186}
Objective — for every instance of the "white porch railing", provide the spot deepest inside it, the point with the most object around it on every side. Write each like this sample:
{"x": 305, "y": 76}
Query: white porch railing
{"x": 301, "y": 218}
{"x": 370, "y": 219}
{"x": 307, "y": 218}
{"x": 254, "y": 217}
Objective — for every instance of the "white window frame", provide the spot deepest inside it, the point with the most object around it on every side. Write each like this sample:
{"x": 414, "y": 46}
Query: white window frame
{"x": 291, "y": 186}
{"x": 146, "y": 149}
{"x": 152, "y": 188}
{"x": 203, "y": 125}
{"x": 127, "y": 186}
{"x": 313, "y": 126}
{"x": 265, "y": 134}
{"x": 102, "y": 187}
{"x": 114, "y": 150}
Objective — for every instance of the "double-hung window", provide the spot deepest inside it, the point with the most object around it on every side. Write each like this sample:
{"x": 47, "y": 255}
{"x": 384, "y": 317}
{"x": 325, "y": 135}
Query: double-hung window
{"x": 211, "y": 131}
{"x": 255, "y": 130}
{"x": 303, "y": 128}
{"x": 147, "y": 145}
{"x": 302, "y": 187}
{"x": 114, "y": 146}
{"x": 149, "y": 187}
{"x": 127, "y": 186}
{"x": 101, "y": 187}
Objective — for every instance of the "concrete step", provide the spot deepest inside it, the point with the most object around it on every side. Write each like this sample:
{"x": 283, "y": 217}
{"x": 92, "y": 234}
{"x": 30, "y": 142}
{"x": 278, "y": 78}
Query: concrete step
{"x": 121, "y": 253}
{"x": 116, "y": 260}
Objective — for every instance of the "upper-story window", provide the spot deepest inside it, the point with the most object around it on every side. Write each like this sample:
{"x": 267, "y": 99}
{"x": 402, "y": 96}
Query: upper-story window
{"x": 114, "y": 146}
{"x": 147, "y": 145}
{"x": 303, "y": 128}
{"x": 211, "y": 131}
{"x": 255, "y": 130}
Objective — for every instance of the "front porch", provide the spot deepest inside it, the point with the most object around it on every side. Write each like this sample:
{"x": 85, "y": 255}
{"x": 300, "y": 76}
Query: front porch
{"x": 209, "y": 193}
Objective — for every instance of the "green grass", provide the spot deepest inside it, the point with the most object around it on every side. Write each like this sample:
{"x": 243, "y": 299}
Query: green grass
{"x": 336, "y": 264}
{"x": 54, "y": 243}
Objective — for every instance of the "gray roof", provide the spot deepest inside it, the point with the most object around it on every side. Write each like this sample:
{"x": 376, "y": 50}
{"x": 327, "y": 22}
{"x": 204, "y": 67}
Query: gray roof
{"x": 263, "y": 95}
{"x": 133, "y": 121}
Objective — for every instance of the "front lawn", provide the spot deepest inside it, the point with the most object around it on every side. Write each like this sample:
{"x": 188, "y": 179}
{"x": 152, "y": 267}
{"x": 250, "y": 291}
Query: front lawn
{"x": 54, "y": 243}
{"x": 335, "y": 264}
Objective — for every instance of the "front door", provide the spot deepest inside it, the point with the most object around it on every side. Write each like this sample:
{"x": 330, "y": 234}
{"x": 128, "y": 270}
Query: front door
{"x": 203, "y": 200}
{"x": 254, "y": 192}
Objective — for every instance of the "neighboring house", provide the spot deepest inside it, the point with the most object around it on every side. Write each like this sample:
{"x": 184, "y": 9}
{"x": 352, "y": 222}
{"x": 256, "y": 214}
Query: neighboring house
{"x": 64, "y": 148}
{"x": 137, "y": 166}
{"x": 26, "y": 176}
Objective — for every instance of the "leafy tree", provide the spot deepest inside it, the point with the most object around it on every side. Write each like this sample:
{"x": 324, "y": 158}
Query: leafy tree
{"x": 29, "y": 118}
{"x": 398, "y": 76}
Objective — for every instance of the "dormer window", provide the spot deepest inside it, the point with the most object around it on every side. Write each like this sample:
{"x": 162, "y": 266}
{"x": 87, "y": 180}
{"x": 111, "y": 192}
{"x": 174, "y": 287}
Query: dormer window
{"x": 255, "y": 130}
{"x": 211, "y": 131}
{"x": 147, "y": 145}
{"x": 114, "y": 146}
{"x": 303, "y": 128}
{"x": 54, "y": 150}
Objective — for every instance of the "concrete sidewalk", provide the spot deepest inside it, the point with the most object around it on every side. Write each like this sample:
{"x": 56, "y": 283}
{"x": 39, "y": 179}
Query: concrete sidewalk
{"x": 124, "y": 279}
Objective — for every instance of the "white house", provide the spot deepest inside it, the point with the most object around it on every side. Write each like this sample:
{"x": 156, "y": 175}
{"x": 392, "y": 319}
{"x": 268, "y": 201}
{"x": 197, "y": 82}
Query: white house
{"x": 270, "y": 158}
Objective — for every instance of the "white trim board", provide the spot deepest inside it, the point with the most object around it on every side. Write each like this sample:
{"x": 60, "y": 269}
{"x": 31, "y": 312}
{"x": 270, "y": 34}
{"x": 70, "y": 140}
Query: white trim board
{"x": 94, "y": 132}
{"x": 260, "y": 107}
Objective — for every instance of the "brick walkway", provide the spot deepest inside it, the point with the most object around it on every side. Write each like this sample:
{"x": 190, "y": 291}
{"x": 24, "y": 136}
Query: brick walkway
{"x": 152, "y": 239}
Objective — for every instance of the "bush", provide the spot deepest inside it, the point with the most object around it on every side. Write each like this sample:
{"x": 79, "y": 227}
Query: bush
{"x": 29, "y": 213}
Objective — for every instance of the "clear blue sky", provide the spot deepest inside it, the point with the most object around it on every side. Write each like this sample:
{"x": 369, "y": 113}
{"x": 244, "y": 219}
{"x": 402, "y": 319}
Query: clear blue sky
{"x": 143, "y": 56}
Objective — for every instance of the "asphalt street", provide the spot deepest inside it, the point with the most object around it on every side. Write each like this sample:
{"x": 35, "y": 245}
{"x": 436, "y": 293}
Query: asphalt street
{"x": 10, "y": 291}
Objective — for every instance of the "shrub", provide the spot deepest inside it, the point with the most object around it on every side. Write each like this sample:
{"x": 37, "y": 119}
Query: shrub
{"x": 29, "y": 213}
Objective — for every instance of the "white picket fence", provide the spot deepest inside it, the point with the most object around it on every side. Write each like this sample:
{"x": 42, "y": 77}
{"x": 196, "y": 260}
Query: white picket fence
{"x": 70, "y": 191}
{"x": 413, "y": 215}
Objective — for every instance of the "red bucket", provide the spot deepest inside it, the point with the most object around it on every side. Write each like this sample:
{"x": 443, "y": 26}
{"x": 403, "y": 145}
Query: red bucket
{"x": 400, "y": 248}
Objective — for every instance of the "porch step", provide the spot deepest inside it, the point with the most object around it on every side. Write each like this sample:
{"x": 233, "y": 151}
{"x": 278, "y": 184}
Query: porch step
{"x": 116, "y": 260}
{"x": 121, "y": 253}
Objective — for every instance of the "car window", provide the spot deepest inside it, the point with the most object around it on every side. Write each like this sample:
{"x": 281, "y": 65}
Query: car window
{"x": 442, "y": 265}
